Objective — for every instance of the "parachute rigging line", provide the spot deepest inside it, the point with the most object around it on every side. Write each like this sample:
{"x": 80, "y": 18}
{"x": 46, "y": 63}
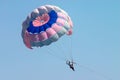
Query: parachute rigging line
{"x": 53, "y": 53}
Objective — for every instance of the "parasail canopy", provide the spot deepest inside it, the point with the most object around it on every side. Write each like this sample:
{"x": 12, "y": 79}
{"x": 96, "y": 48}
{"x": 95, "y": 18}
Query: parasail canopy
{"x": 45, "y": 25}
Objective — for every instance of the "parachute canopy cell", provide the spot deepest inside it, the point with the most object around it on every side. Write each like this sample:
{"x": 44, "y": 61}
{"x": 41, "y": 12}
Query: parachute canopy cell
{"x": 44, "y": 25}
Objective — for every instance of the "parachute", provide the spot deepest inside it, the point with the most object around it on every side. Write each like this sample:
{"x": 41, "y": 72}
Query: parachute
{"x": 45, "y": 25}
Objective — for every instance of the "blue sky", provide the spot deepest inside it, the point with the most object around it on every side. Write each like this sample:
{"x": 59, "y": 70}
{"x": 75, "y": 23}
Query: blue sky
{"x": 95, "y": 42}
